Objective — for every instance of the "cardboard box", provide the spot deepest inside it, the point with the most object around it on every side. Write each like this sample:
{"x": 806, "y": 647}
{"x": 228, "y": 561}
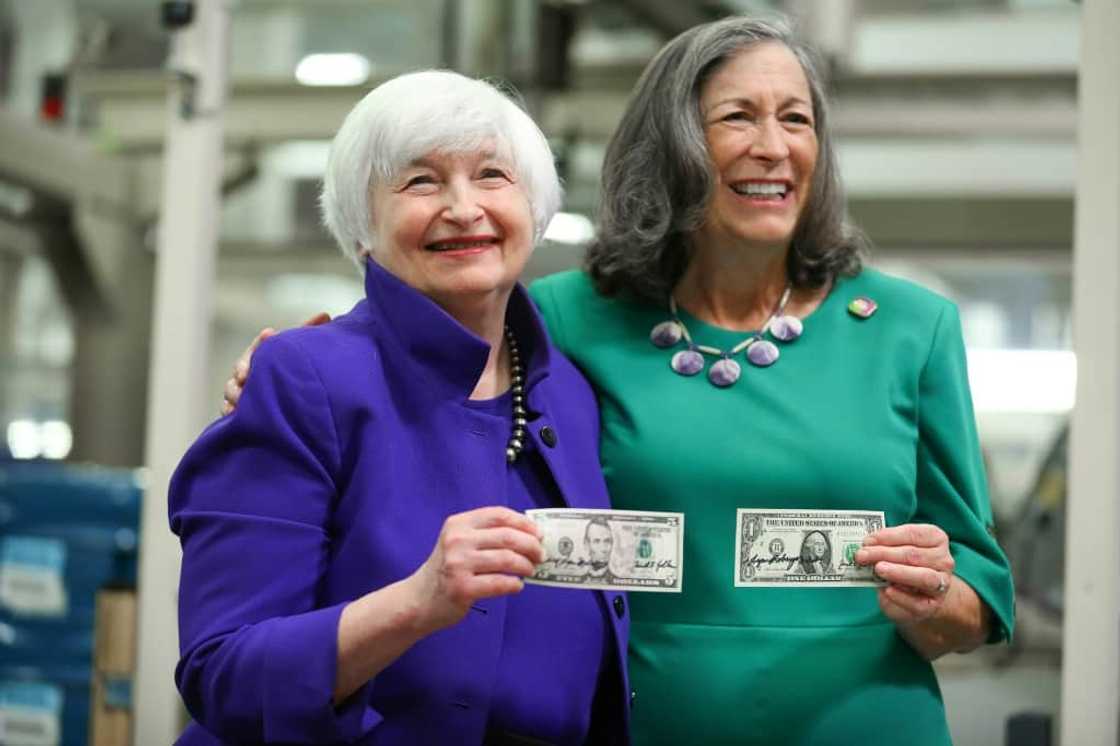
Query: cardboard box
{"x": 114, "y": 663}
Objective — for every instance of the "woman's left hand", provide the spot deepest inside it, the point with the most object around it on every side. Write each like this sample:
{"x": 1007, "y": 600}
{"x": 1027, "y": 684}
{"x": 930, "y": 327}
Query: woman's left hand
{"x": 915, "y": 561}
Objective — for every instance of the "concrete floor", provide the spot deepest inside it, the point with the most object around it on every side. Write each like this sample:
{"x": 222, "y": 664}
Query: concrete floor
{"x": 983, "y": 689}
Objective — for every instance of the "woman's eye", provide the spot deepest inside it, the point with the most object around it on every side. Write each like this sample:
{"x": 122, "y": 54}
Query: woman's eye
{"x": 798, "y": 118}
{"x": 420, "y": 180}
{"x": 736, "y": 116}
{"x": 493, "y": 173}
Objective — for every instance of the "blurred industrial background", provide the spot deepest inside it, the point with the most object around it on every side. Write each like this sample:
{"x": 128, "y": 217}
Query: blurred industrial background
{"x": 957, "y": 124}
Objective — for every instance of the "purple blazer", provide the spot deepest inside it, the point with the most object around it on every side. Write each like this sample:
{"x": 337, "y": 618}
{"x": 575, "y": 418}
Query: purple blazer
{"x": 351, "y": 445}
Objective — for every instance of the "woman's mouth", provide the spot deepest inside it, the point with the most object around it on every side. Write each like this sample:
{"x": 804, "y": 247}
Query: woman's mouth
{"x": 462, "y": 245}
{"x": 762, "y": 191}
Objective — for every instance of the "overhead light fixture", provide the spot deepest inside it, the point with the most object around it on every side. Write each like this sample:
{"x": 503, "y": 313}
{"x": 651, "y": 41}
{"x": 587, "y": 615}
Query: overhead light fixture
{"x": 333, "y": 69}
{"x": 56, "y": 439}
{"x": 570, "y": 227}
{"x": 23, "y": 439}
{"x": 29, "y": 439}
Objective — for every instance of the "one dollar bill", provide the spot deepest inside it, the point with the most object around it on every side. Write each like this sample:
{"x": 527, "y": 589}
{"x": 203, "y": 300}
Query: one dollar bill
{"x": 614, "y": 550}
{"x": 807, "y": 548}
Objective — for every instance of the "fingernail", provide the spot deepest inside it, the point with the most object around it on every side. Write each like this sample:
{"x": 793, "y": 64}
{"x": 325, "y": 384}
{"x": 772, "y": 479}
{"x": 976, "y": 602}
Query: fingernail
{"x": 861, "y": 556}
{"x": 869, "y": 541}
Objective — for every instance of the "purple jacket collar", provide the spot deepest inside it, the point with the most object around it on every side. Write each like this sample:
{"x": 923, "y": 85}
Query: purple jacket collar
{"x": 451, "y": 356}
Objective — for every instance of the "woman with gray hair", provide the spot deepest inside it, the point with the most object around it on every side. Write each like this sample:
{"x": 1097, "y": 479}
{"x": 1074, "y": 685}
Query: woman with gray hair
{"x": 354, "y": 536}
{"x": 744, "y": 357}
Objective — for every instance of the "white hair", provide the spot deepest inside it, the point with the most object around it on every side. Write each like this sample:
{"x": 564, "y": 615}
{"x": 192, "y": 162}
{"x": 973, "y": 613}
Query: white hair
{"x": 409, "y": 116}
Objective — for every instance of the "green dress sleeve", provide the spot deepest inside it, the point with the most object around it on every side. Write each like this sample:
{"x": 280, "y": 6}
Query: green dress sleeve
{"x": 541, "y": 291}
{"x": 951, "y": 486}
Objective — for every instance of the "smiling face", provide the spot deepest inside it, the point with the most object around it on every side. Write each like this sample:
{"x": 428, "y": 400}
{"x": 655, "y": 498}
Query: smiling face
{"x": 758, "y": 121}
{"x": 455, "y": 226}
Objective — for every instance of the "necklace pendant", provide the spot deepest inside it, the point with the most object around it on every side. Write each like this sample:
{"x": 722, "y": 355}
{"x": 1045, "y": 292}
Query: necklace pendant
{"x": 786, "y": 328}
{"x": 763, "y": 353}
{"x": 724, "y": 372}
{"x": 687, "y": 362}
{"x": 666, "y": 334}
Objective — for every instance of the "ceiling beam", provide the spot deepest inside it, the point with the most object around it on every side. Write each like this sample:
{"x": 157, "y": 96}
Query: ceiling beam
{"x": 62, "y": 166}
{"x": 668, "y": 17}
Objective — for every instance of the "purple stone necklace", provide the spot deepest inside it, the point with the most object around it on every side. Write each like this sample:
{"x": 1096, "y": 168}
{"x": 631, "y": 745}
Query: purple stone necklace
{"x": 725, "y": 371}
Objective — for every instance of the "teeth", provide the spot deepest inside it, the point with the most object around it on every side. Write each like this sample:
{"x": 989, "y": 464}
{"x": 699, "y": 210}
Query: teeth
{"x": 452, "y": 245}
{"x": 760, "y": 189}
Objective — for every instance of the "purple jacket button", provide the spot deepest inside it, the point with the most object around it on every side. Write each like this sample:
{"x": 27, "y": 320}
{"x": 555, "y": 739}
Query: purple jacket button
{"x": 619, "y": 606}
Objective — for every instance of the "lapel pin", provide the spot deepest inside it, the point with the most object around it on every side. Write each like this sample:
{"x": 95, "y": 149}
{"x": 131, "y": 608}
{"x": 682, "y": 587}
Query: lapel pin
{"x": 862, "y": 307}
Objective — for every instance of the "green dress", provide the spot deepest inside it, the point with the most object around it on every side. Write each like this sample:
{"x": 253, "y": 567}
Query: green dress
{"x": 869, "y": 414}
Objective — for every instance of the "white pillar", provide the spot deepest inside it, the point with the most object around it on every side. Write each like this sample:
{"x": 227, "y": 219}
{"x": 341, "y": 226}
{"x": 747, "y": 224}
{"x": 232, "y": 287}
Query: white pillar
{"x": 178, "y": 402}
{"x": 1091, "y": 634}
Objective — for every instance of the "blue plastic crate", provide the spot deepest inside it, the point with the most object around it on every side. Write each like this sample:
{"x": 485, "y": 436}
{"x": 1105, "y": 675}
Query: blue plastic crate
{"x": 65, "y": 532}
{"x": 41, "y": 642}
{"x": 40, "y": 701}
{"x": 49, "y": 492}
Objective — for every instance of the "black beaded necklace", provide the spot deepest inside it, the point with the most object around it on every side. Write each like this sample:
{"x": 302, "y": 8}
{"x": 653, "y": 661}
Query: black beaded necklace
{"x": 517, "y": 389}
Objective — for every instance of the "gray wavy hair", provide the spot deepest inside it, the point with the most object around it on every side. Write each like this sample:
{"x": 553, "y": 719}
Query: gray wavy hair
{"x": 657, "y": 175}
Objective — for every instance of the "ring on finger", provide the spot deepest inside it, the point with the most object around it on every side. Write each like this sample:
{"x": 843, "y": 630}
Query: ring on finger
{"x": 942, "y": 585}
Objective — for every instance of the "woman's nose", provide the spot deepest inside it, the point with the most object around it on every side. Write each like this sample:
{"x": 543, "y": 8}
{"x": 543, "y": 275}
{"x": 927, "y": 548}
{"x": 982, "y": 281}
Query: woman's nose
{"x": 463, "y": 207}
{"x": 769, "y": 141}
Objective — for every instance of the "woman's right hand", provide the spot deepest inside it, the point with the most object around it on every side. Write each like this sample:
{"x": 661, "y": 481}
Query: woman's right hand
{"x": 481, "y": 553}
{"x": 236, "y": 382}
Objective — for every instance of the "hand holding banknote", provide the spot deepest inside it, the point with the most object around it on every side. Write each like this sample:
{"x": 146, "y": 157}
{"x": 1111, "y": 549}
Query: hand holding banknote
{"x": 915, "y": 561}
{"x": 481, "y": 553}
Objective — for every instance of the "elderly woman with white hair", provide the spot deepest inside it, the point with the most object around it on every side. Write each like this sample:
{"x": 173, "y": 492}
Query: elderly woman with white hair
{"x": 354, "y": 538}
